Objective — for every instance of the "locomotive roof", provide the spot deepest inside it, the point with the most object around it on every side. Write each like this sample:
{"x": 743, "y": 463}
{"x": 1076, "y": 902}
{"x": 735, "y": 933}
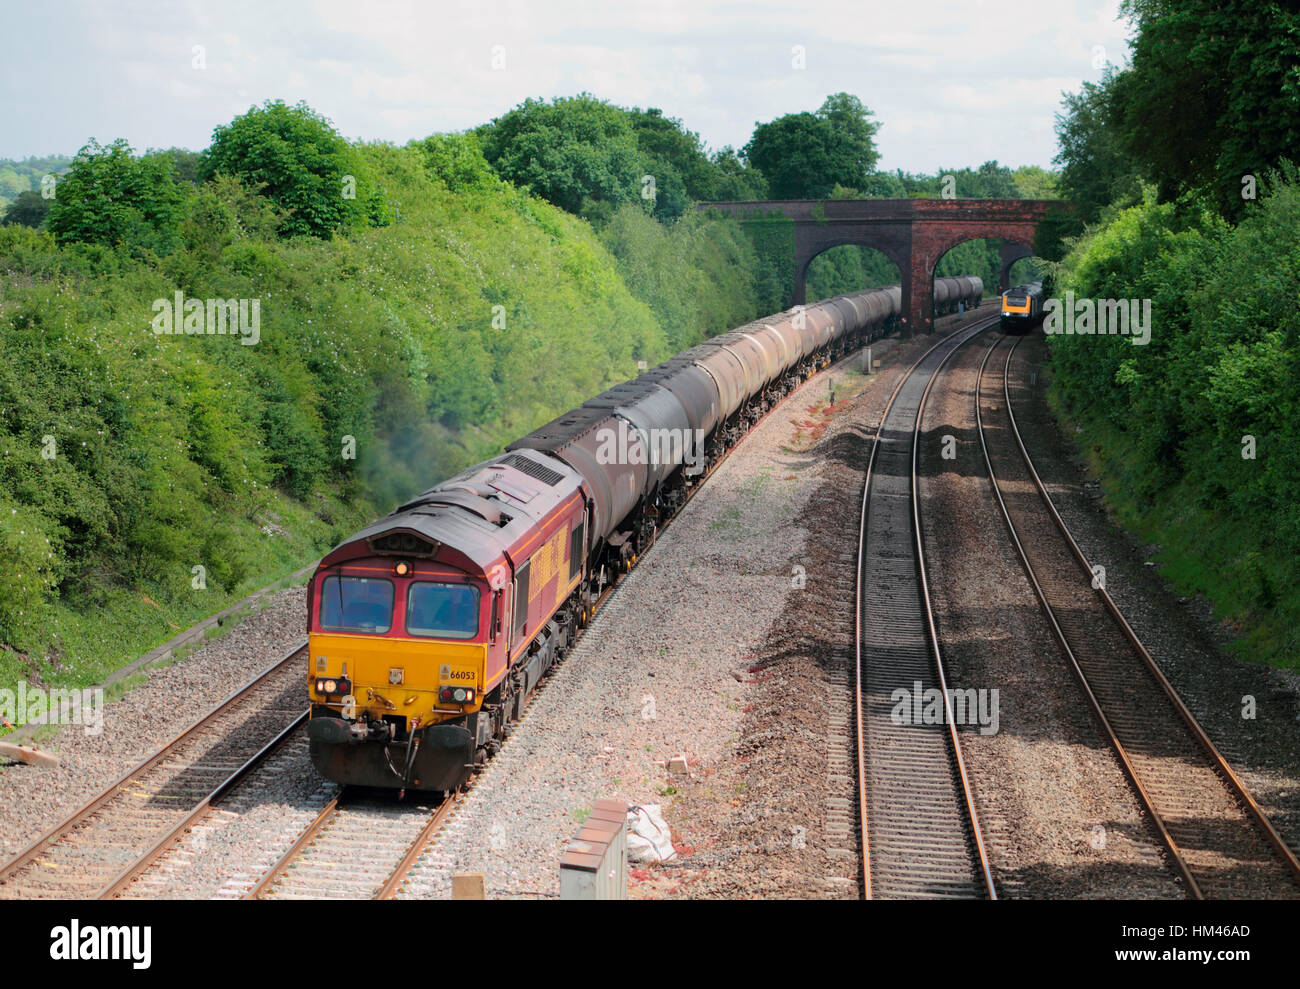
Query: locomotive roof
{"x": 477, "y": 518}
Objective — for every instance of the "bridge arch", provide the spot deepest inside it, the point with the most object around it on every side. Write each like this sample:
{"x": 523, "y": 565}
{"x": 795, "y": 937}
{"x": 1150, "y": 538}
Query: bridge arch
{"x": 802, "y": 274}
{"x": 913, "y": 233}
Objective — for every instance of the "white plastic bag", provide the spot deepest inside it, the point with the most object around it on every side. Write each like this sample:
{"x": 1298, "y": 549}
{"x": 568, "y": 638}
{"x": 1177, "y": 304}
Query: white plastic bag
{"x": 648, "y": 837}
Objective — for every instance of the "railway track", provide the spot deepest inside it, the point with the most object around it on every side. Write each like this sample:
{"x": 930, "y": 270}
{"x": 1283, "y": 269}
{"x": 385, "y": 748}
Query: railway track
{"x": 1219, "y": 842}
{"x": 359, "y": 846}
{"x": 920, "y": 829}
{"x": 107, "y": 843}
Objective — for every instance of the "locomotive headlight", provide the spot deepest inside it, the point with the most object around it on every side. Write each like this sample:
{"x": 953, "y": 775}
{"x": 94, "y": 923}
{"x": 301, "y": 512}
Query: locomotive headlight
{"x": 333, "y": 686}
{"x": 456, "y": 695}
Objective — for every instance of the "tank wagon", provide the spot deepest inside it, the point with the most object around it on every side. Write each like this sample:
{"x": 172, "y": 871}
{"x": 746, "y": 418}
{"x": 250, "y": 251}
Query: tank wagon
{"x": 429, "y": 628}
{"x": 950, "y": 292}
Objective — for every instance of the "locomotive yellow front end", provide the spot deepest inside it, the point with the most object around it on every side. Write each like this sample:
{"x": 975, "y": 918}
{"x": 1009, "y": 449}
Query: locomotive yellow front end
{"x": 398, "y": 664}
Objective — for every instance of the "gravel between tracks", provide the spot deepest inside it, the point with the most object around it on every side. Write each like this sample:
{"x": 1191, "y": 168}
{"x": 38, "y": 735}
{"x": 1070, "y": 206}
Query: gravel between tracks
{"x": 173, "y": 698}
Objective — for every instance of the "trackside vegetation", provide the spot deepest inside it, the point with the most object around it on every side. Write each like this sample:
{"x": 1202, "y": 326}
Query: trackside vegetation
{"x": 147, "y": 480}
{"x": 1192, "y": 204}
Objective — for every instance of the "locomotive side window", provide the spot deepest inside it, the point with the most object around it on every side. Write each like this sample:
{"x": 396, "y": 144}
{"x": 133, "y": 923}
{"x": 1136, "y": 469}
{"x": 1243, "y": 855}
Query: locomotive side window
{"x": 442, "y": 611}
{"x": 356, "y": 604}
{"x": 575, "y": 551}
{"x": 521, "y": 605}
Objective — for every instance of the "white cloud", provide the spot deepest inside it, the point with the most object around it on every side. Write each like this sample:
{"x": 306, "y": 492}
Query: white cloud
{"x": 950, "y": 85}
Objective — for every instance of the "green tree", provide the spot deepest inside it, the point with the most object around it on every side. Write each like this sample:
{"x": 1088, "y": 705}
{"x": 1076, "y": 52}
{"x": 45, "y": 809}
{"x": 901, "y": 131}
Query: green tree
{"x": 884, "y": 185}
{"x": 11, "y": 183}
{"x": 111, "y": 197}
{"x": 805, "y": 155}
{"x": 1033, "y": 182}
{"x": 575, "y": 152}
{"x": 802, "y": 156}
{"x": 676, "y": 158}
{"x": 188, "y": 164}
{"x": 853, "y": 121}
{"x": 299, "y": 161}
{"x": 456, "y": 161}
{"x": 29, "y": 209}
{"x": 1213, "y": 94}
{"x": 1096, "y": 171}
{"x": 734, "y": 181}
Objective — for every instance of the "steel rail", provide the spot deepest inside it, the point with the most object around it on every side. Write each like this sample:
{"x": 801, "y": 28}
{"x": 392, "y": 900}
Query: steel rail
{"x": 398, "y": 876}
{"x": 84, "y": 811}
{"x": 1180, "y": 861}
{"x": 136, "y": 869}
{"x": 967, "y": 789}
{"x": 272, "y": 875}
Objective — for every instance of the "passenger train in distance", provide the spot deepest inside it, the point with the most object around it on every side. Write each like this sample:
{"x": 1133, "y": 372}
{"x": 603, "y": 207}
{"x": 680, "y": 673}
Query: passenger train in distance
{"x": 429, "y": 628}
{"x": 1022, "y": 307}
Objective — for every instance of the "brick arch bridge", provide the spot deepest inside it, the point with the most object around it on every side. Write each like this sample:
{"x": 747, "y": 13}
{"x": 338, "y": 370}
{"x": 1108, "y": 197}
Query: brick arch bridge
{"x": 913, "y": 233}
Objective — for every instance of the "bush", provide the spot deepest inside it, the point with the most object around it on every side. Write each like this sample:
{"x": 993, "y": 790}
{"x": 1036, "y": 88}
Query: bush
{"x": 110, "y": 197}
{"x": 27, "y": 578}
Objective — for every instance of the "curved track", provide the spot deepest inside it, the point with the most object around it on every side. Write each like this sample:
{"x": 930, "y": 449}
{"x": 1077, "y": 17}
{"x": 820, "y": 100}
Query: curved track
{"x": 1219, "y": 841}
{"x": 920, "y": 829}
{"x": 98, "y": 849}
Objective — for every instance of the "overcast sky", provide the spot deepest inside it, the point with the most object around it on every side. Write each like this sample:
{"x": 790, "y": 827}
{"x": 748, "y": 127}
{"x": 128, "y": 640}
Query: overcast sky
{"x": 952, "y": 83}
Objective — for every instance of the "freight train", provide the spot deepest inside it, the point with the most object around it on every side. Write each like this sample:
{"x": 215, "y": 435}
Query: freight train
{"x": 428, "y": 629}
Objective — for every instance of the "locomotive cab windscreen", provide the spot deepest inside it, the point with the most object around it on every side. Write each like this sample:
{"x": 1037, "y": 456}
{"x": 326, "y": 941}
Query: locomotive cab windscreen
{"x": 356, "y": 604}
{"x": 398, "y": 645}
{"x": 432, "y": 609}
{"x": 442, "y": 611}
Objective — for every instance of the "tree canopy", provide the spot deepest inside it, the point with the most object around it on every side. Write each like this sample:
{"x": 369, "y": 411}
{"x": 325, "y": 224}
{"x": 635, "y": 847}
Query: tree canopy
{"x": 29, "y": 209}
{"x": 589, "y": 157}
{"x": 806, "y": 155}
{"x": 302, "y": 164}
{"x": 111, "y": 197}
{"x": 1213, "y": 94}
